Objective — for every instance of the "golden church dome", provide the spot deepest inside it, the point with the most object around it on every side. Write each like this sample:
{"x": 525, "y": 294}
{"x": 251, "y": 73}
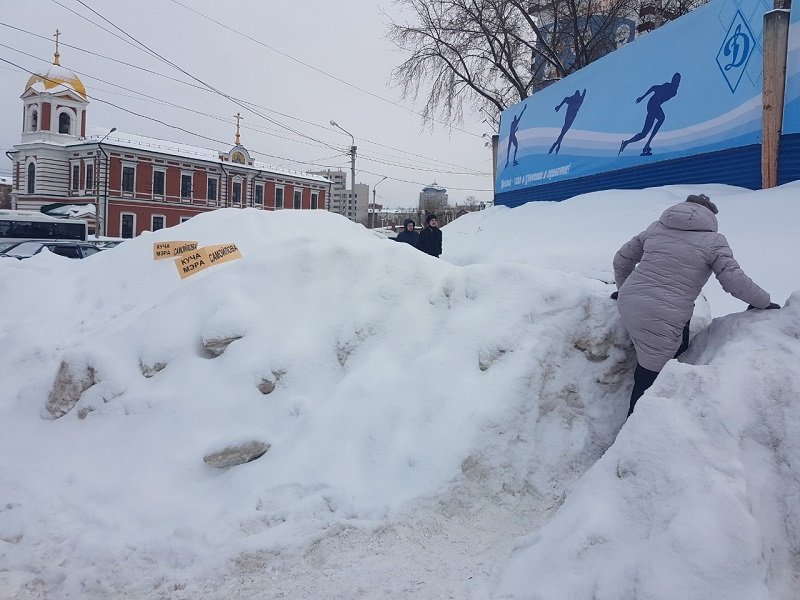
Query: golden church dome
{"x": 55, "y": 77}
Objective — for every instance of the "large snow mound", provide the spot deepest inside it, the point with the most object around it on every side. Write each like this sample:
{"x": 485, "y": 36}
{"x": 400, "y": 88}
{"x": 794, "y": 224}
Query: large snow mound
{"x": 337, "y": 415}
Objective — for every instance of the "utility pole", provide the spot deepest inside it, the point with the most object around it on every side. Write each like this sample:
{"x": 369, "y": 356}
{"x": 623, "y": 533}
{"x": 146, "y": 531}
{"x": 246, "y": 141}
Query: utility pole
{"x": 352, "y": 160}
{"x": 105, "y": 191}
{"x": 370, "y": 218}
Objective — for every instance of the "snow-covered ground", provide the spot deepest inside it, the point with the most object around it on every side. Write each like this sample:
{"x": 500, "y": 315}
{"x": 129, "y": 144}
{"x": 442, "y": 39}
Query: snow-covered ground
{"x": 433, "y": 428}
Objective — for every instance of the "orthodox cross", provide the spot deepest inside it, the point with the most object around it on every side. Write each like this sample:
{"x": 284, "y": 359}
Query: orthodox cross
{"x": 238, "y": 117}
{"x": 56, "y": 55}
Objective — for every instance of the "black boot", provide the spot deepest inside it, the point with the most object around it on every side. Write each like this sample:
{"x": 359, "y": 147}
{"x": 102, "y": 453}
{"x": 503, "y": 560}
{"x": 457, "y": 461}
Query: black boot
{"x": 642, "y": 379}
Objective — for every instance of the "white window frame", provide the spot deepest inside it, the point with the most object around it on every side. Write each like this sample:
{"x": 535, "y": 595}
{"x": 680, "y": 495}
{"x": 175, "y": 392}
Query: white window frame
{"x": 153, "y": 182}
{"x": 123, "y": 165}
{"x": 133, "y": 229}
{"x": 314, "y": 200}
{"x": 256, "y": 203}
{"x": 237, "y": 179}
{"x": 89, "y": 164}
{"x": 295, "y": 202}
{"x": 28, "y": 163}
{"x": 212, "y": 201}
{"x": 283, "y": 197}
{"x": 72, "y": 120}
{"x": 190, "y": 175}
{"x": 184, "y": 218}
{"x": 74, "y": 186}
{"x": 34, "y": 109}
{"x": 153, "y": 216}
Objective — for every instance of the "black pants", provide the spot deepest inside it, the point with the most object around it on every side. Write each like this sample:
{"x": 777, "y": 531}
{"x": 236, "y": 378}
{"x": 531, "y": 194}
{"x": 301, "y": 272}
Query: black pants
{"x": 644, "y": 378}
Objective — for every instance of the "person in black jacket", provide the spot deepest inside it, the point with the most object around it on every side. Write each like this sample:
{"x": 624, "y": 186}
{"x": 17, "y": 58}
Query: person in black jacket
{"x": 408, "y": 235}
{"x": 430, "y": 240}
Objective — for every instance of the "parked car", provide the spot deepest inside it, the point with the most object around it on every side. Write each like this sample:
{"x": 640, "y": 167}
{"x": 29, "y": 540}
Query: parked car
{"x": 6, "y": 246}
{"x": 67, "y": 249}
{"x": 105, "y": 244}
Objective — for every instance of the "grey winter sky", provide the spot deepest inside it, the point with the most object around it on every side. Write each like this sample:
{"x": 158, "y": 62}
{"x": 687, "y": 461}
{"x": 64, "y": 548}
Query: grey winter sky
{"x": 302, "y": 63}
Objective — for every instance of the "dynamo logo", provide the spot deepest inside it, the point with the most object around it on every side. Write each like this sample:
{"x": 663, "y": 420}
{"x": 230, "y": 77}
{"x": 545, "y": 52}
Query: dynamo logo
{"x": 736, "y": 50}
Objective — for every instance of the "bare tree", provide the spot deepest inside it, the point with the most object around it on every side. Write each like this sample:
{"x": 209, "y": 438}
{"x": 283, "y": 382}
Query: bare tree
{"x": 491, "y": 54}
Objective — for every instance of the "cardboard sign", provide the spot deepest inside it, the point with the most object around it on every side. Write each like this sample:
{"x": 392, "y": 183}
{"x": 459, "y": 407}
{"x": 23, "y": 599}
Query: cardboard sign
{"x": 207, "y": 256}
{"x": 221, "y": 253}
{"x": 162, "y": 250}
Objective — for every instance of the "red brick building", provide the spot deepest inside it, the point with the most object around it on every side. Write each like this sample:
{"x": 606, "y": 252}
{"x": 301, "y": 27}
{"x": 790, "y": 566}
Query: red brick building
{"x": 136, "y": 183}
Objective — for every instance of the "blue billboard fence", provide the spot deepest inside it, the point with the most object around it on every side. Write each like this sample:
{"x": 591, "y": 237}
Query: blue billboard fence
{"x": 680, "y": 105}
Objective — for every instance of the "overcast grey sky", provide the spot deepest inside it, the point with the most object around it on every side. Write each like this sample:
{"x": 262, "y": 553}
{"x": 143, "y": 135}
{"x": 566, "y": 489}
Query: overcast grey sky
{"x": 258, "y": 58}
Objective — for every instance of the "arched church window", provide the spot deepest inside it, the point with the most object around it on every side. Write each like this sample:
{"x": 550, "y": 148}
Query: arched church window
{"x": 34, "y": 120}
{"x": 31, "y": 178}
{"x": 64, "y": 123}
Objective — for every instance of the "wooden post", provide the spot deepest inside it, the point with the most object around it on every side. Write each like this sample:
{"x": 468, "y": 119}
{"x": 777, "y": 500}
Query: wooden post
{"x": 776, "y": 33}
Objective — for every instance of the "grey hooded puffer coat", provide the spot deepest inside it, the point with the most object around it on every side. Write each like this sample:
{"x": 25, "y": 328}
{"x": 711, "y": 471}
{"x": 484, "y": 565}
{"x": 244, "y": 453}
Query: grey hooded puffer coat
{"x": 660, "y": 273}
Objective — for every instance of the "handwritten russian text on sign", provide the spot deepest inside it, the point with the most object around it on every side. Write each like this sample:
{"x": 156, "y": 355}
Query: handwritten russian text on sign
{"x": 162, "y": 250}
{"x": 207, "y": 256}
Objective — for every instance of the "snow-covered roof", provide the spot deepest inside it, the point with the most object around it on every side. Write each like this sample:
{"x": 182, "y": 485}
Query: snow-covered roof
{"x": 434, "y": 187}
{"x": 57, "y": 79}
{"x": 123, "y": 139}
{"x": 73, "y": 211}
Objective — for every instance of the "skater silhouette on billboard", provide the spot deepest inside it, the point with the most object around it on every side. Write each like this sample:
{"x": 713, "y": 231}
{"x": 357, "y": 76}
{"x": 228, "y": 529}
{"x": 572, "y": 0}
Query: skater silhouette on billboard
{"x": 655, "y": 114}
{"x": 512, "y": 136}
{"x": 573, "y": 106}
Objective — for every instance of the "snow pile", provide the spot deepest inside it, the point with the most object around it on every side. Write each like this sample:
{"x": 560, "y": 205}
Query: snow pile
{"x": 337, "y": 415}
{"x": 698, "y": 497}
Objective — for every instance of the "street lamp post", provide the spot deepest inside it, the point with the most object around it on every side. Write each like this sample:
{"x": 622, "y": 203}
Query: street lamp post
{"x": 372, "y": 211}
{"x": 352, "y": 159}
{"x": 105, "y": 191}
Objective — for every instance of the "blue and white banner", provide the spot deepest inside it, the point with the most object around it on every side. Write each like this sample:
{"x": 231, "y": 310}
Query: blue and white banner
{"x": 791, "y": 107}
{"x": 690, "y": 87}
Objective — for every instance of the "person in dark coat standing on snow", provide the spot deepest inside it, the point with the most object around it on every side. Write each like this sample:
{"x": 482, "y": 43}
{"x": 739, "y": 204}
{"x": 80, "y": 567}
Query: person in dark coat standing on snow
{"x": 430, "y": 240}
{"x": 408, "y": 235}
{"x": 660, "y": 273}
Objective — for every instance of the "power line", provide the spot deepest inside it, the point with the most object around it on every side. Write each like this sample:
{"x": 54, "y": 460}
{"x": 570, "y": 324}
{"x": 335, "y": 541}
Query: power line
{"x": 205, "y": 89}
{"x": 216, "y": 141}
{"x": 200, "y": 81}
{"x": 318, "y": 70}
{"x": 221, "y": 119}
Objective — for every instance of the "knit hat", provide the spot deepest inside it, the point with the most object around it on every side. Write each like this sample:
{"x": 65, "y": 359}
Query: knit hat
{"x": 429, "y": 218}
{"x": 703, "y": 200}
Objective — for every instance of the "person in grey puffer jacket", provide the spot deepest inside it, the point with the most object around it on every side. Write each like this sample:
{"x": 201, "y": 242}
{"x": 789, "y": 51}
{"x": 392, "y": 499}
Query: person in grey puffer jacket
{"x": 660, "y": 273}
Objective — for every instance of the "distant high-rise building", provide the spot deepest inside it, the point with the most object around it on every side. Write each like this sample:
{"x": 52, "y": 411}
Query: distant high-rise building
{"x": 432, "y": 198}
{"x": 342, "y": 200}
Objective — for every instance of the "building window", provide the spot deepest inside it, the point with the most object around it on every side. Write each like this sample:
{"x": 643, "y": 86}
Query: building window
{"x": 31, "y": 178}
{"x": 184, "y": 219}
{"x": 298, "y": 199}
{"x": 278, "y": 197}
{"x": 127, "y": 225}
{"x": 314, "y": 200}
{"x": 236, "y": 193}
{"x": 186, "y": 187}
{"x": 64, "y": 123}
{"x": 76, "y": 178}
{"x": 259, "y": 195}
{"x": 89, "y": 176}
{"x": 157, "y": 222}
{"x": 213, "y": 186}
{"x": 128, "y": 176}
{"x": 34, "y": 120}
{"x": 159, "y": 178}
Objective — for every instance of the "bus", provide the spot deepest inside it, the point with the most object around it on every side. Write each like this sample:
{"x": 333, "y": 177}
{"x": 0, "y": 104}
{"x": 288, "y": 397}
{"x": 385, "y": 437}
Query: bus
{"x": 23, "y": 225}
